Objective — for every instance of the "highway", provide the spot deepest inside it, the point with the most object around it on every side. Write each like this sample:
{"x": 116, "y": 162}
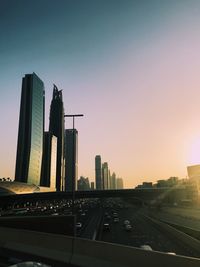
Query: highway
{"x": 91, "y": 214}
{"x": 143, "y": 232}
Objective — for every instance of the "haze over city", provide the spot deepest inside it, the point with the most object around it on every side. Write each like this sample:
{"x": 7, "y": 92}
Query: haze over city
{"x": 132, "y": 69}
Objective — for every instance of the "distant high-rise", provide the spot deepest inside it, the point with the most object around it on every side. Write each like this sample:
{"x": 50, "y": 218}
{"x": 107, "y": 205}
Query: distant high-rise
{"x": 105, "y": 175}
{"x": 30, "y": 133}
{"x": 120, "y": 184}
{"x": 92, "y": 186}
{"x": 83, "y": 184}
{"x": 56, "y": 127}
{"x": 71, "y": 159}
{"x": 98, "y": 173}
{"x": 49, "y": 160}
{"x": 113, "y": 181}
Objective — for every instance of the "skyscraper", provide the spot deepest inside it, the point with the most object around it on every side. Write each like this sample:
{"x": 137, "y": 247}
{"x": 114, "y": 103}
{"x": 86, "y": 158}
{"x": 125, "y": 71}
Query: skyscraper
{"x": 56, "y": 127}
{"x": 120, "y": 184}
{"x": 113, "y": 181}
{"x": 98, "y": 176}
{"x": 49, "y": 160}
{"x": 30, "y": 132}
{"x": 83, "y": 184}
{"x": 105, "y": 175}
{"x": 71, "y": 159}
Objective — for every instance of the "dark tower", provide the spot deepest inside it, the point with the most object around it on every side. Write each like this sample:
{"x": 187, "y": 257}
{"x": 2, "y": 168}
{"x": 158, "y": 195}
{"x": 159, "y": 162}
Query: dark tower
{"x": 98, "y": 172}
{"x": 31, "y": 129}
{"x": 56, "y": 127}
{"x": 71, "y": 159}
{"x": 49, "y": 160}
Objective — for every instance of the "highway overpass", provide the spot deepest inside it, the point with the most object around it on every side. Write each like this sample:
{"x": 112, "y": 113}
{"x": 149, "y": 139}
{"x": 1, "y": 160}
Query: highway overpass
{"x": 146, "y": 195}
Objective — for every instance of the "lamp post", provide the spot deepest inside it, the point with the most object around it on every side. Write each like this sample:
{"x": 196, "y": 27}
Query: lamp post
{"x": 73, "y": 159}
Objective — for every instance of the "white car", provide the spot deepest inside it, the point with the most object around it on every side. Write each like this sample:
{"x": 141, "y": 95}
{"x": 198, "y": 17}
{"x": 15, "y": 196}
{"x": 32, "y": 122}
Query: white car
{"x": 78, "y": 225}
{"x": 126, "y": 222}
{"x": 128, "y": 227}
{"x": 146, "y": 247}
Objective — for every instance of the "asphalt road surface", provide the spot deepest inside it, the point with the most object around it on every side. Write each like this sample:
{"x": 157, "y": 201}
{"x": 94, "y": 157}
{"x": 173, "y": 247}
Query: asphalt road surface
{"x": 143, "y": 233}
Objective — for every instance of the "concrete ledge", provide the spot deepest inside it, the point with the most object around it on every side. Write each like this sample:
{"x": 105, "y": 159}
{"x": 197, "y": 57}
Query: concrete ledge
{"x": 99, "y": 254}
{"x": 52, "y": 246}
{"x": 85, "y": 253}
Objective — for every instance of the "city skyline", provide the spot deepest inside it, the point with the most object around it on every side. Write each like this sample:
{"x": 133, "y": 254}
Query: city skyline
{"x": 131, "y": 67}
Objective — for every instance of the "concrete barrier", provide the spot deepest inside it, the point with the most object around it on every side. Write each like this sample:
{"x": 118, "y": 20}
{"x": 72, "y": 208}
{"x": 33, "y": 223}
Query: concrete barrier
{"x": 101, "y": 254}
{"x": 60, "y": 250}
{"x": 37, "y": 244}
{"x": 62, "y": 224}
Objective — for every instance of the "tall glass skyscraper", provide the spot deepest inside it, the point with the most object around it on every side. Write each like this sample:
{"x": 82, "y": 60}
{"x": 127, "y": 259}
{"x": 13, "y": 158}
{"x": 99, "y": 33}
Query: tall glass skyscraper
{"x": 31, "y": 129}
{"x": 56, "y": 127}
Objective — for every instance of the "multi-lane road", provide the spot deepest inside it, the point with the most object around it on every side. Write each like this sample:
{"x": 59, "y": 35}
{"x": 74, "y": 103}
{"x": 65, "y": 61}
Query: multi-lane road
{"x": 143, "y": 232}
{"x": 92, "y": 214}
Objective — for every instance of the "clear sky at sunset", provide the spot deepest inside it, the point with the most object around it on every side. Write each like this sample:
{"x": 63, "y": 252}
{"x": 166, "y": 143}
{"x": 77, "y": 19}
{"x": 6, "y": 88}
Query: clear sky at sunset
{"x": 132, "y": 67}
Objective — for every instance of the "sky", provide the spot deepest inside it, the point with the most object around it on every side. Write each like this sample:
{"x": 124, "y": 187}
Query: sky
{"x": 130, "y": 66}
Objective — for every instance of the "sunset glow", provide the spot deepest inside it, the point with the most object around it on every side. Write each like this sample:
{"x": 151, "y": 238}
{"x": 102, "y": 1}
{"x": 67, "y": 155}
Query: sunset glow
{"x": 131, "y": 67}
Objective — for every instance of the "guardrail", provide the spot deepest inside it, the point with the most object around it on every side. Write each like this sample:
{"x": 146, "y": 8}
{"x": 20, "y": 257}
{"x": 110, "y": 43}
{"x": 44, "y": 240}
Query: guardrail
{"x": 180, "y": 236}
{"x": 187, "y": 230}
{"x": 61, "y": 250}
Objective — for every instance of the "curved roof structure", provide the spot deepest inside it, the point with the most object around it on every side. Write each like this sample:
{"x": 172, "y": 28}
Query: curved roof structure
{"x": 7, "y": 187}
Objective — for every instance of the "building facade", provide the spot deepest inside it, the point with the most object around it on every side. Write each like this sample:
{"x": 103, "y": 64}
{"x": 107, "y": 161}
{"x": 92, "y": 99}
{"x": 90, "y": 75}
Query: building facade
{"x": 120, "y": 184}
{"x": 30, "y": 132}
{"x": 56, "y": 127}
{"x": 105, "y": 176}
{"x": 113, "y": 181}
{"x": 83, "y": 184}
{"x": 49, "y": 160}
{"x": 71, "y": 159}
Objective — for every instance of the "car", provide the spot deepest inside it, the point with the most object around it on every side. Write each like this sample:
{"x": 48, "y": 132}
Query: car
{"x": 78, "y": 225}
{"x": 116, "y": 219}
{"x": 146, "y": 247}
{"x": 128, "y": 227}
{"x": 126, "y": 222}
{"x": 171, "y": 253}
{"x": 106, "y": 227}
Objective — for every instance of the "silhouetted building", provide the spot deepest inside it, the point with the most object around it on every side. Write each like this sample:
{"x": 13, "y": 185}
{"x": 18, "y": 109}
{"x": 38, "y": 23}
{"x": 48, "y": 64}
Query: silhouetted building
{"x": 109, "y": 180}
{"x": 83, "y": 184}
{"x": 49, "y": 159}
{"x": 145, "y": 185}
{"x": 162, "y": 183}
{"x": 92, "y": 186}
{"x": 56, "y": 127}
{"x": 30, "y": 133}
{"x": 172, "y": 181}
{"x": 120, "y": 184}
{"x": 194, "y": 177}
{"x": 113, "y": 181}
{"x": 98, "y": 173}
{"x": 71, "y": 158}
{"x": 105, "y": 174}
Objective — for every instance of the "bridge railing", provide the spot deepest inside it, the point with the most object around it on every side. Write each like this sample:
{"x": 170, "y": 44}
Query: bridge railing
{"x": 60, "y": 250}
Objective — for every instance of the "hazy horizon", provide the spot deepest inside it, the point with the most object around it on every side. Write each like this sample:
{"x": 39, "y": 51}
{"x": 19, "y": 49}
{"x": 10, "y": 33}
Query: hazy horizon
{"x": 131, "y": 67}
